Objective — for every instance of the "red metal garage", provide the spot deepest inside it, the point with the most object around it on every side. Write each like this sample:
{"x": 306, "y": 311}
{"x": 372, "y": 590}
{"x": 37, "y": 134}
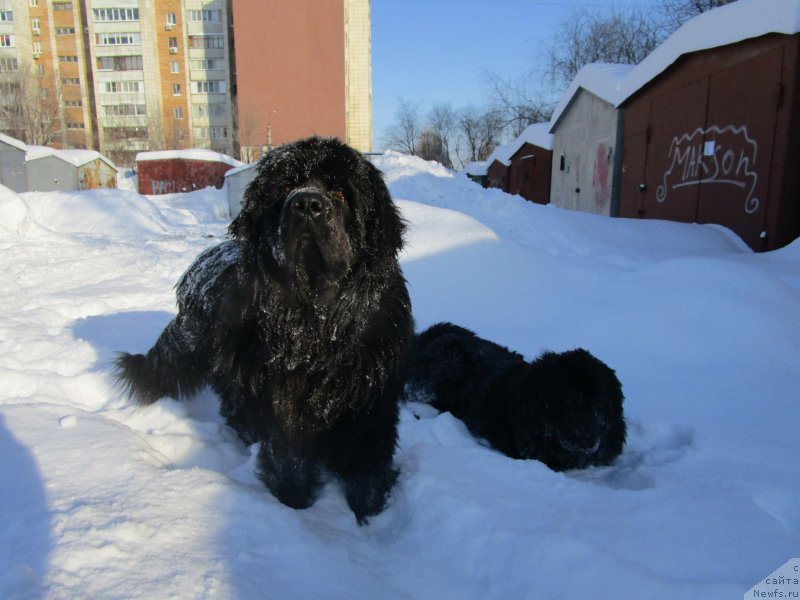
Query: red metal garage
{"x": 173, "y": 171}
{"x": 715, "y": 137}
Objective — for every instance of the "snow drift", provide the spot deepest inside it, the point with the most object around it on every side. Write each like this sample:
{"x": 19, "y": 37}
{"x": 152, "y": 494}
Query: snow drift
{"x": 102, "y": 499}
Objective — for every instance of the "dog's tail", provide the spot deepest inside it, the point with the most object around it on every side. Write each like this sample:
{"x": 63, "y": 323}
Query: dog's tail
{"x": 169, "y": 369}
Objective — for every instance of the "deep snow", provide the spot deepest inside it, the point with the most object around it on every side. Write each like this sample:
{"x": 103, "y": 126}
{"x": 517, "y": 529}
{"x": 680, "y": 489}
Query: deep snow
{"x": 100, "y": 499}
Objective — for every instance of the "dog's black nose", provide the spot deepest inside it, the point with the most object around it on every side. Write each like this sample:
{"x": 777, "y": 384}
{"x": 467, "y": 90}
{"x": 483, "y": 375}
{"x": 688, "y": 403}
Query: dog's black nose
{"x": 309, "y": 203}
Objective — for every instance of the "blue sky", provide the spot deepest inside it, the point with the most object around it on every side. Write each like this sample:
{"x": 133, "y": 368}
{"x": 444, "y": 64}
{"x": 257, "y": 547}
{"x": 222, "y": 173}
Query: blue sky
{"x": 432, "y": 51}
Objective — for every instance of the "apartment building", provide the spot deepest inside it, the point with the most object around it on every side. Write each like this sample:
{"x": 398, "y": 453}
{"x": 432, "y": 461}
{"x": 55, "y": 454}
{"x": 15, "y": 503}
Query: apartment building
{"x": 122, "y": 76}
{"x": 302, "y": 67}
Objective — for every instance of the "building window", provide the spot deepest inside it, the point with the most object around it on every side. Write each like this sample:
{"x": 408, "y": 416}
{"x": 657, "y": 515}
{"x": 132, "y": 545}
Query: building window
{"x": 37, "y": 48}
{"x": 125, "y": 133}
{"x": 208, "y": 87}
{"x": 69, "y": 58}
{"x": 213, "y": 132}
{"x": 119, "y": 63}
{"x": 34, "y": 3}
{"x": 73, "y": 103}
{"x": 172, "y": 20}
{"x": 6, "y": 15}
{"x": 8, "y": 64}
{"x": 65, "y": 31}
{"x": 36, "y": 25}
{"x": 176, "y": 89}
{"x": 206, "y": 64}
{"x": 174, "y": 67}
{"x": 75, "y": 125}
{"x": 124, "y": 110}
{"x": 116, "y": 14}
{"x": 118, "y": 39}
{"x": 7, "y": 41}
{"x": 117, "y": 87}
{"x": 62, "y": 5}
{"x": 206, "y": 41}
{"x": 40, "y": 70}
{"x": 70, "y": 81}
{"x": 205, "y": 16}
{"x": 178, "y": 112}
{"x": 209, "y": 110}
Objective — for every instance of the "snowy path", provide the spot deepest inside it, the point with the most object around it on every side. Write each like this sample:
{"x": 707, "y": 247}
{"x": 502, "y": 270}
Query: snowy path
{"x": 104, "y": 500}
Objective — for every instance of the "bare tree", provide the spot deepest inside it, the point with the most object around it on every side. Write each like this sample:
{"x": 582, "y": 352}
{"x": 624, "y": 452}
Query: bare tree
{"x": 29, "y": 108}
{"x": 404, "y": 133}
{"x": 430, "y": 146}
{"x": 676, "y": 12}
{"x": 481, "y": 131}
{"x": 521, "y": 102}
{"x": 442, "y": 122}
{"x": 624, "y": 36}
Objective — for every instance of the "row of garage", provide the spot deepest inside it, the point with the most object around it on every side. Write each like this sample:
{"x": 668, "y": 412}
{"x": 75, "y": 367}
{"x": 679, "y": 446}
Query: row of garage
{"x": 705, "y": 130}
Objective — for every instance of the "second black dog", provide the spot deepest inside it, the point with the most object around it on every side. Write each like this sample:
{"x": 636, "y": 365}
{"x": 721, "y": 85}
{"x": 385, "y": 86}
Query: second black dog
{"x": 564, "y": 410}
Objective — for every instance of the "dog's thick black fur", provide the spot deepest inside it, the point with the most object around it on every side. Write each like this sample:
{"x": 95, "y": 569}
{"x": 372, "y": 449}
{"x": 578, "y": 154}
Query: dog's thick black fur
{"x": 301, "y": 322}
{"x": 562, "y": 409}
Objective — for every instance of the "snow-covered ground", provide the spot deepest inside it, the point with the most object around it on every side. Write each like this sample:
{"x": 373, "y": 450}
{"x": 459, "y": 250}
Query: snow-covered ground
{"x": 100, "y": 499}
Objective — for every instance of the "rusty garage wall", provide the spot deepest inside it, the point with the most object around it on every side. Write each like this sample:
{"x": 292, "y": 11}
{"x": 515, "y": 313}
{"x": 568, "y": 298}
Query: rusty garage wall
{"x": 171, "y": 175}
{"x": 716, "y": 139}
{"x": 96, "y": 174}
{"x": 497, "y": 175}
{"x": 529, "y": 173}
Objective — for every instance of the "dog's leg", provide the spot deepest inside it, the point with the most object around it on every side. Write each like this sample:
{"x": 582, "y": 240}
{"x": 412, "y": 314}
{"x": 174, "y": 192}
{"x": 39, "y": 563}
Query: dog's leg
{"x": 170, "y": 368}
{"x": 366, "y": 469}
{"x": 367, "y": 493}
{"x": 293, "y": 478}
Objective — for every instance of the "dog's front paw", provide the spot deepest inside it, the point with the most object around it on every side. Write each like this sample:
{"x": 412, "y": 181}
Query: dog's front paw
{"x": 367, "y": 495}
{"x": 293, "y": 479}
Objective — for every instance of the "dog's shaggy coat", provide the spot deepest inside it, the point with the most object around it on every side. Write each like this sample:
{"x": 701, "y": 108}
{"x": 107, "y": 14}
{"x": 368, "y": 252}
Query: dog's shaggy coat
{"x": 562, "y": 409}
{"x": 301, "y": 322}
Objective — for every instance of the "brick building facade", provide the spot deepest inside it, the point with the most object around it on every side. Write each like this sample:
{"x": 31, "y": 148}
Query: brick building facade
{"x": 126, "y": 76}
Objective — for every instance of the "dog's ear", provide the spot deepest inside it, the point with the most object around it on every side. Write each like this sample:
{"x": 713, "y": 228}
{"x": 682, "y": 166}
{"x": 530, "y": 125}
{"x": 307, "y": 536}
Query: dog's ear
{"x": 241, "y": 228}
{"x": 258, "y": 195}
{"x": 384, "y": 227}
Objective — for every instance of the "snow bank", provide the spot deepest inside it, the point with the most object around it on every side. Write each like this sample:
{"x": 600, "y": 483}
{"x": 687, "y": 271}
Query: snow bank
{"x": 15, "y": 216}
{"x": 102, "y": 499}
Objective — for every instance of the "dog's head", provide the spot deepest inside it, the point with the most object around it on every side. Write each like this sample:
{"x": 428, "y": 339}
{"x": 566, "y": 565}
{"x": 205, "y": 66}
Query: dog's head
{"x": 316, "y": 211}
{"x": 571, "y": 413}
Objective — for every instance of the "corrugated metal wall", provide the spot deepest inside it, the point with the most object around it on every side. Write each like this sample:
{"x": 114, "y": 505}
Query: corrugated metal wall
{"x": 709, "y": 142}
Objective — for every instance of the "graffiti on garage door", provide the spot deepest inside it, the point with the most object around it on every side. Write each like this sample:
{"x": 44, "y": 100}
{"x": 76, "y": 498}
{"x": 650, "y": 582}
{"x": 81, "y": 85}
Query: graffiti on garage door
{"x": 713, "y": 155}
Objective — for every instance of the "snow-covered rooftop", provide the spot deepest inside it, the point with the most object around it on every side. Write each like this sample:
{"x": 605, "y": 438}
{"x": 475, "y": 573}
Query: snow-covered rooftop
{"x": 725, "y": 25}
{"x": 190, "y": 154}
{"x": 501, "y": 153}
{"x": 75, "y": 157}
{"x": 240, "y": 168}
{"x": 477, "y": 168}
{"x": 604, "y": 80}
{"x": 537, "y": 134}
{"x": 13, "y": 142}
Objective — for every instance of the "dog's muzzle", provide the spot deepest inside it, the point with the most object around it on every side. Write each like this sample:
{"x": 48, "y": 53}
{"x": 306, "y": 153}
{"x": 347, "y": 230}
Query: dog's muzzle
{"x": 309, "y": 203}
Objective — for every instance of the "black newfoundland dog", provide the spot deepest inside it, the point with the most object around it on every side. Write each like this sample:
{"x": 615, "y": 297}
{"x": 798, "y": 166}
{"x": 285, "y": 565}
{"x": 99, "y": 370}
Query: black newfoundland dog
{"x": 301, "y": 322}
{"x": 562, "y": 409}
